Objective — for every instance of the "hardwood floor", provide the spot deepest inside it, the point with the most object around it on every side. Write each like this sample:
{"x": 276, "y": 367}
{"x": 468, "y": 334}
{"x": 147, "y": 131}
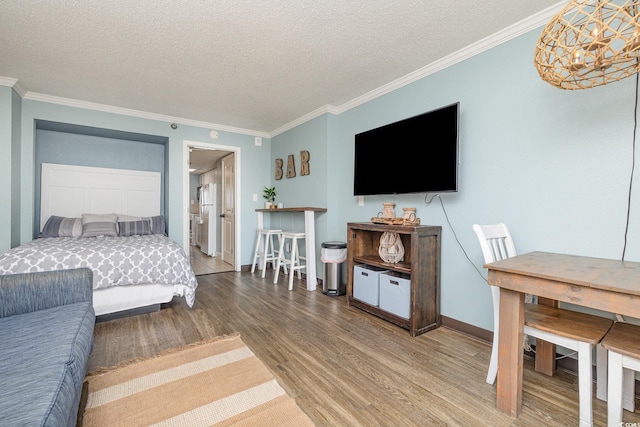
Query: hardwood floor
{"x": 203, "y": 264}
{"x": 343, "y": 366}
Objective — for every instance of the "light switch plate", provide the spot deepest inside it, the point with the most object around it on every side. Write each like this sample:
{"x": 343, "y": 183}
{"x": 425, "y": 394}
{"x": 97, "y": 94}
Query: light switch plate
{"x": 360, "y": 200}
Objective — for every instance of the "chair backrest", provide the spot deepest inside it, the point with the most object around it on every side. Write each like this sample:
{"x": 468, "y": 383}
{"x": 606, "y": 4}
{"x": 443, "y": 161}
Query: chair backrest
{"x": 495, "y": 241}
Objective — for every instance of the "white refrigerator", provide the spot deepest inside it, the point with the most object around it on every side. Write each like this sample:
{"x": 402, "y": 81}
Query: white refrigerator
{"x": 209, "y": 216}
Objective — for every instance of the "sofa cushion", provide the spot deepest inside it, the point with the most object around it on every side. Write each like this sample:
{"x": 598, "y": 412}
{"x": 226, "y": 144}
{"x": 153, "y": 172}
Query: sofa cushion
{"x": 44, "y": 357}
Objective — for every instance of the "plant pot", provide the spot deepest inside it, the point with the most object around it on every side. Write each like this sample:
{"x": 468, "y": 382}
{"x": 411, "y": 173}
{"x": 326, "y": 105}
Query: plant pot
{"x": 267, "y": 205}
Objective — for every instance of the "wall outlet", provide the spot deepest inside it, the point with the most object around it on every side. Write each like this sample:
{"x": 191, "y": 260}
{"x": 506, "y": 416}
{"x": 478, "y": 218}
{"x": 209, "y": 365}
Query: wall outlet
{"x": 360, "y": 200}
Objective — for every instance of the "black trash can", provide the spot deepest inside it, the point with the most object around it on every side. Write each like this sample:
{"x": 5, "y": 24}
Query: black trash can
{"x": 333, "y": 255}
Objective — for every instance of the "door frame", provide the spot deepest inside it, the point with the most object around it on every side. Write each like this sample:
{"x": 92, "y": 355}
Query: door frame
{"x": 186, "y": 200}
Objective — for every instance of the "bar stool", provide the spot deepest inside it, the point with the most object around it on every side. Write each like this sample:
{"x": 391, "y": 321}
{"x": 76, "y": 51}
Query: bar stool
{"x": 266, "y": 250}
{"x": 623, "y": 345}
{"x": 294, "y": 261}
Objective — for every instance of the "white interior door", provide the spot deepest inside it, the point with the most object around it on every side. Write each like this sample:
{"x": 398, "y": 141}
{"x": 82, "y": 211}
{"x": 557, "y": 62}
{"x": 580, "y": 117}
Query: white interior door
{"x": 213, "y": 219}
{"x": 228, "y": 213}
{"x": 228, "y": 231}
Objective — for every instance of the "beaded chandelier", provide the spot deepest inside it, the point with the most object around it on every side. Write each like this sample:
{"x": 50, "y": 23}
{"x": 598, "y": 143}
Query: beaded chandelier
{"x": 590, "y": 43}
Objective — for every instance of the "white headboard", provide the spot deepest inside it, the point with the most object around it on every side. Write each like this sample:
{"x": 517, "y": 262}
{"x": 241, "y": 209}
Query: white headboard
{"x": 70, "y": 191}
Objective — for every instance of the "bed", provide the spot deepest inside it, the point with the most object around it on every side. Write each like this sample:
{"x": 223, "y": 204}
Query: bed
{"x": 108, "y": 220}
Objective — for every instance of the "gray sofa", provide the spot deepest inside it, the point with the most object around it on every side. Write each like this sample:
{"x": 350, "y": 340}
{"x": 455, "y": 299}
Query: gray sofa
{"x": 46, "y": 336}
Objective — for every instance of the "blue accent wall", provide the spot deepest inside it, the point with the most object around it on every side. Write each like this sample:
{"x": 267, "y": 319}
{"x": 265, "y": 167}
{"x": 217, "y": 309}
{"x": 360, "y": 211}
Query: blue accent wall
{"x": 87, "y": 150}
{"x": 16, "y": 117}
{"x": 6, "y": 177}
{"x": 553, "y": 165}
{"x": 10, "y": 184}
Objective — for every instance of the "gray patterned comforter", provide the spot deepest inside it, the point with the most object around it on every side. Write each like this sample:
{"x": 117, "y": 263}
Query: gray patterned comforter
{"x": 115, "y": 261}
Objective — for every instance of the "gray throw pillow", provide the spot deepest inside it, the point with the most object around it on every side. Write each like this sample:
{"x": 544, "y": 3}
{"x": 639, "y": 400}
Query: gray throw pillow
{"x": 94, "y": 225}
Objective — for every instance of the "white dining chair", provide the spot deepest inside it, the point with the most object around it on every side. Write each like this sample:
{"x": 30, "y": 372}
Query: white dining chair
{"x": 577, "y": 331}
{"x": 623, "y": 347}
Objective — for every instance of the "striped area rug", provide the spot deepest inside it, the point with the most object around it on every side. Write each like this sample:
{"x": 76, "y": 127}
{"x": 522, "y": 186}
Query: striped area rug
{"x": 219, "y": 383}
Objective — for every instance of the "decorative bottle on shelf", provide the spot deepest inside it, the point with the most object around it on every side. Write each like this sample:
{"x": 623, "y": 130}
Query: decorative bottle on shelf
{"x": 388, "y": 210}
{"x": 409, "y": 214}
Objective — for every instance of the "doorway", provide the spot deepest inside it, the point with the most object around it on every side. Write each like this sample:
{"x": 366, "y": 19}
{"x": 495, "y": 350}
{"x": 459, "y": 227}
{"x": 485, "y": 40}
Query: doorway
{"x": 207, "y": 211}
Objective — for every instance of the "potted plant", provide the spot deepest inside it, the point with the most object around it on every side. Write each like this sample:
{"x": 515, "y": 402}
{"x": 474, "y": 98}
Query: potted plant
{"x": 269, "y": 193}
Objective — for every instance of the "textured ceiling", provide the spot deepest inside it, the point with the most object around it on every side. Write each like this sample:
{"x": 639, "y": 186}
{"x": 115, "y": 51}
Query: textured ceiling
{"x": 248, "y": 64}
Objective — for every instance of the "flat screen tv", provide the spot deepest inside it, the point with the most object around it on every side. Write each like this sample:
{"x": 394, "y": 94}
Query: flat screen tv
{"x": 414, "y": 155}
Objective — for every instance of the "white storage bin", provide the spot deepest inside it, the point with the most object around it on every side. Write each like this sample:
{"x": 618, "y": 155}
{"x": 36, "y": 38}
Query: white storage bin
{"x": 365, "y": 283}
{"x": 395, "y": 294}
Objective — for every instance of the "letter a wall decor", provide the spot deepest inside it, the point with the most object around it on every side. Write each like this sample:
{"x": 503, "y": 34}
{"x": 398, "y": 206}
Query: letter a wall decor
{"x": 291, "y": 166}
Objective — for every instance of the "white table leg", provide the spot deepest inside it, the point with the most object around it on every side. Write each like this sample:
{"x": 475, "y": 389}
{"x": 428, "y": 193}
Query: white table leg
{"x": 260, "y": 220}
{"x": 264, "y": 246}
{"x": 310, "y": 249}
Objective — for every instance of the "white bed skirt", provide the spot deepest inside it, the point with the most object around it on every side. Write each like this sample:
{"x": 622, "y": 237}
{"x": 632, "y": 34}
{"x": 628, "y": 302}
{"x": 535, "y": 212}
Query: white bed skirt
{"x": 120, "y": 298}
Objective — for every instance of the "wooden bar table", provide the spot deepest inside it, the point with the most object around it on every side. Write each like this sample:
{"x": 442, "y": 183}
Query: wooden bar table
{"x": 309, "y": 241}
{"x": 604, "y": 284}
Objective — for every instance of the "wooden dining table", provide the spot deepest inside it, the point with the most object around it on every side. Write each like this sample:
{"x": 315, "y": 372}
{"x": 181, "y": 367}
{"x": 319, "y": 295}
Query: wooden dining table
{"x": 604, "y": 284}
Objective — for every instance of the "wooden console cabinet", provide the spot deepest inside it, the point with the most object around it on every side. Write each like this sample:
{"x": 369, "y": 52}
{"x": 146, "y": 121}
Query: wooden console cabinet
{"x": 421, "y": 261}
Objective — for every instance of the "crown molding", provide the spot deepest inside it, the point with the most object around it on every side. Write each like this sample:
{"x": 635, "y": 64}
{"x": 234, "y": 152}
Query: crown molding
{"x": 509, "y": 33}
{"x": 503, "y": 36}
{"x": 34, "y": 96}
{"x": 7, "y": 81}
{"x": 12, "y": 83}
{"x": 307, "y": 117}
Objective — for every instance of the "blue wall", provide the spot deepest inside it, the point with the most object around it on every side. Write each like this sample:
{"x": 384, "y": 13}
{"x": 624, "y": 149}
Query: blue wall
{"x": 253, "y": 169}
{"x": 309, "y": 190}
{"x": 87, "y": 150}
{"x": 10, "y": 117}
{"x": 554, "y": 165}
{"x": 6, "y": 147}
{"x": 16, "y": 117}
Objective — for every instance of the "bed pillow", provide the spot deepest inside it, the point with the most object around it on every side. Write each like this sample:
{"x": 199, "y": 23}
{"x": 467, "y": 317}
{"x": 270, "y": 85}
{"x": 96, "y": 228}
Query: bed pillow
{"x": 134, "y": 228}
{"x": 158, "y": 225}
{"x": 94, "y": 225}
{"x": 58, "y": 226}
{"x": 128, "y": 218}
